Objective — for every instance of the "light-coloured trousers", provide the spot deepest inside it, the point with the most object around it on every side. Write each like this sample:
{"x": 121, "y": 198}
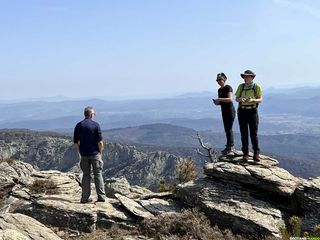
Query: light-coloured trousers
{"x": 97, "y": 166}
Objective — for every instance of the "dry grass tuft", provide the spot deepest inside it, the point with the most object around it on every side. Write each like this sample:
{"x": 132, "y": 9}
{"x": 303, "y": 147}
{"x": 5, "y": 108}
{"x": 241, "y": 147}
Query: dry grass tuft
{"x": 190, "y": 224}
{"x": 113, "y": 233}
{"x": 8, "y": 160}
{"x": 44, "y": 186}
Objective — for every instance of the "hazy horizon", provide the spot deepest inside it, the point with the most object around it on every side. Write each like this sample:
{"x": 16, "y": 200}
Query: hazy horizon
{"x": 58, "y": 98}
{"x": 139, "y": 49}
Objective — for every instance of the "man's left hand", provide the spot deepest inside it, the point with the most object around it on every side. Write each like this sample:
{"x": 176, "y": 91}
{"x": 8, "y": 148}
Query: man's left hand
{"x": 250, "y": 100}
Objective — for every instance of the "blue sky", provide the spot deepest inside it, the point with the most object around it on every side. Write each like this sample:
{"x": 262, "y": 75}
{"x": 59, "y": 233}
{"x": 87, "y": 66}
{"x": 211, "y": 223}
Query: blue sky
{"x": 127, "y": 48}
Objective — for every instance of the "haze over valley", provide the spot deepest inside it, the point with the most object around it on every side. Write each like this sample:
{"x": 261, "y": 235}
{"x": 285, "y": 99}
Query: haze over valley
{"x": 289, "y": 123}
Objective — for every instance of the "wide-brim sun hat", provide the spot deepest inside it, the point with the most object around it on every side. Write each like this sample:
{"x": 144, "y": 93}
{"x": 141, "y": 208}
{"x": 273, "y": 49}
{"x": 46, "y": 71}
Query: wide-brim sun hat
{"x": 248, "y": 73}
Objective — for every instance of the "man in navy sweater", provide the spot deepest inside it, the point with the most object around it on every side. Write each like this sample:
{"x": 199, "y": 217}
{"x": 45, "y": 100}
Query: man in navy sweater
{"x": 87, "y": 138}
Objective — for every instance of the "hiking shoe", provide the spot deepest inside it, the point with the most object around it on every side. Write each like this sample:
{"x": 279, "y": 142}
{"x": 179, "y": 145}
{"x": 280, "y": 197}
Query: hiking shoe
{"x": 101, "y": 200}
{"x": 245, "y": 157}
{"x": 228, "y": 150}
{"x": 86, "y": 201}
{"x": 256, "y": 157}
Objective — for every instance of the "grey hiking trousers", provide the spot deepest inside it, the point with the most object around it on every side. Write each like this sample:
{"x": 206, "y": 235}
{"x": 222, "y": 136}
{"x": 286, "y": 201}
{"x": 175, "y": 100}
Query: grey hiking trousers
{"x": 97, "y": 166}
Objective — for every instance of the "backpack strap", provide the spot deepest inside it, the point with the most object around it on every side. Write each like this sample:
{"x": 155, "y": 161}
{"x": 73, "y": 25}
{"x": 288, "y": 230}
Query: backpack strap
{"x": 241, "y": 90}
{"x": 254, "y": 89}
{"x": 254, "y": 92}
{"x": 242, "y": 87}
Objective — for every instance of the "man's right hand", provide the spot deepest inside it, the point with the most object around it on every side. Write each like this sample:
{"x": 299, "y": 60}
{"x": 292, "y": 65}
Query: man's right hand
{"x": 243, "y": 100}
{"x": 101, "y": 146}
{"x": 77, "y": 146}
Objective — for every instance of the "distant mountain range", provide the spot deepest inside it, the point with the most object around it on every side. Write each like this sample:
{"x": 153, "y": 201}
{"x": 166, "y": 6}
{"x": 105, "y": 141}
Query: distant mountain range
{"x": 48, "y": 151}
{"x": 130, "y": 149}
{"x": 284, "y": 111}
{"x": 297, "y": 153}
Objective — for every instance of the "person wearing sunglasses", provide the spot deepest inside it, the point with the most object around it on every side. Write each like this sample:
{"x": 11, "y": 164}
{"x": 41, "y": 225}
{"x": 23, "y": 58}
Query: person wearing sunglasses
{"x": 227, "y": 110}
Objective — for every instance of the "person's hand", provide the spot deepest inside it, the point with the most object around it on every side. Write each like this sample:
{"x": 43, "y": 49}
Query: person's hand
{"x": 217, "y": 102}
{"x": 243, "y": 100}
{"x": 250, "y": 100}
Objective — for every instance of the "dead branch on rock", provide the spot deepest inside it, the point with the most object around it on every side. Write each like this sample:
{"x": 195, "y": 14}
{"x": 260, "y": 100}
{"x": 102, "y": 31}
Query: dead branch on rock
{"x": 212, "y": 154}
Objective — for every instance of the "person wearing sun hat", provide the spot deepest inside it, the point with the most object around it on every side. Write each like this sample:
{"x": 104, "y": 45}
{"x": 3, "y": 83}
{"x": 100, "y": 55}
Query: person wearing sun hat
{"x": 227, "y": 110}
{"x": 249, "y": 96}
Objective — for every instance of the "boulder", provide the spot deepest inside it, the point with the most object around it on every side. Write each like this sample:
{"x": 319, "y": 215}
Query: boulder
{"x": 160, "y": 206}
{"x": 11, "y": 234}
{"x": 19, "y": 226}
{"x": 134, "y": 207}
{"x": 122, "y": 186}
{"x": 112, "y": 212}
{"x": 271, "y": 179}
{"x": 308, "y": 196}
{"x": 117, "y": 185}
{"x": 14, "y": 171}
{"x": 59, "y": 211}
{"x": 230, "y": 206}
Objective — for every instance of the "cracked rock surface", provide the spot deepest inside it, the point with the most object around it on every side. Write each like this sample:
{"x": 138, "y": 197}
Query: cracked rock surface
{"x": 249, "y": 198}
{"x": 256, "y": 198}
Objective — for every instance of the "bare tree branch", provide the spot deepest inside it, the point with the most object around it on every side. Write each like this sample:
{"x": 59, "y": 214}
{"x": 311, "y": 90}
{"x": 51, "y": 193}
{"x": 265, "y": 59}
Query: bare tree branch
{"x": 202, "y": 154}
{"x": 211, "y": 152}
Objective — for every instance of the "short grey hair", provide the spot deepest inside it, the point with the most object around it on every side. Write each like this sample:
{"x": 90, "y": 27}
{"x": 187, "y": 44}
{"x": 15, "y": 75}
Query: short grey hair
{"x": 88, "y": 111}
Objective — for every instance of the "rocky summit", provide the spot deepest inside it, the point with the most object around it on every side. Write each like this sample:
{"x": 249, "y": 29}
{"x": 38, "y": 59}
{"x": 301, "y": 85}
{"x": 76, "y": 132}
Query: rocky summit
{"x": 33, "y": 203}
{"x": 254, "y": 199}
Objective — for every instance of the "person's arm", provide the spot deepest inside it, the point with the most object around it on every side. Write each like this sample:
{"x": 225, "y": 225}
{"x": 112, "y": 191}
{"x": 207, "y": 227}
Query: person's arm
{"x": 258, "y": 99}
{"x": 99, "y": 139}
{"x": 100, "y": 146}
{"x": 77, "y": 146}
{"x": 255, "y": 100}
{"x": 227, "y": 99}
{"x": 239, "y": 99}
{"x": 76, "y": 138}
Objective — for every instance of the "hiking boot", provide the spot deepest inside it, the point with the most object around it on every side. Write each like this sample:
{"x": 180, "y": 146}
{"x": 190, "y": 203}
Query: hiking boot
{"x": 228, "y": 150}
{"x": 101, "y": 200}
{"x": 245, "y": 157}
{"x": 87, "y": 201}
{"x": 256, "y": 157}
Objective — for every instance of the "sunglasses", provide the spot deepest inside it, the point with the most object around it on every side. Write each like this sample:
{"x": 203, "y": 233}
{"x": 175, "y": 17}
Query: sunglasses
{"x": 219, "y": 79}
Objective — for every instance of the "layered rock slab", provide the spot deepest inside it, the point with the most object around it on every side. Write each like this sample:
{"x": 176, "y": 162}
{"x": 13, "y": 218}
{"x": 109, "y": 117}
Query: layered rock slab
{"x": 64, "y": 209}
{"x": 230, "y": 206}
{"x": 19, "y": 226}
{"x": 269, "y": 178}
{"x": 308, "y": 196}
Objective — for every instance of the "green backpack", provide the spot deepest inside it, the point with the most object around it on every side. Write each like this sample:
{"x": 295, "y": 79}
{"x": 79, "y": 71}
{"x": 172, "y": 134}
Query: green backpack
{"x": 254, "y": 90}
